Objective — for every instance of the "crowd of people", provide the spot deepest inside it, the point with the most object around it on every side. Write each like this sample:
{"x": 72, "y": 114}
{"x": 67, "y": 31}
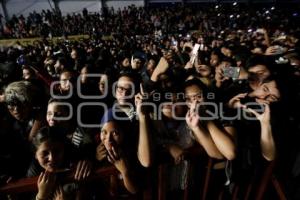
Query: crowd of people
{"x": 173, "y": 85}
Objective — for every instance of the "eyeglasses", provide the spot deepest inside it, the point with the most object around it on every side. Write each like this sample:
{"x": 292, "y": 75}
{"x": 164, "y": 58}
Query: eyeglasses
{"x": 121, "y": 89}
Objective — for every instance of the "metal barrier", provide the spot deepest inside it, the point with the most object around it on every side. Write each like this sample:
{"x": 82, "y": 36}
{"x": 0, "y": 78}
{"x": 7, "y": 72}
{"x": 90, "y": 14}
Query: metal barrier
{"x": 257, "y": 192}
{"x": 30, "y": 184}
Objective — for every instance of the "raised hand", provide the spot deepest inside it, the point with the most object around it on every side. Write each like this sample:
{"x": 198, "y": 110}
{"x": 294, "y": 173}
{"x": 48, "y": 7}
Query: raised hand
{"x": 189, "y": 65}
{"x": 59, "y": 193}
{"x": 235, "y": 102}
{"x": 83, "y": 170}
{"x": 133, "y": 63}
{"x": 161, "y": 67}
{"x": 101, "y": 152}
{"x": 45, "y": 184}
{"x": 117, "y": 159}
{"x": 192, "y": 117}
{"x": 219, "y": 76}
{"x": 265, "y": 117}
{"x": 140, "y": 99}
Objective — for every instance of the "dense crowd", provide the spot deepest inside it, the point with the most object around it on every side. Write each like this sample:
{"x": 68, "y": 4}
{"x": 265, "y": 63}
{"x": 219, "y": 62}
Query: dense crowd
{"x": 173, "y": 85}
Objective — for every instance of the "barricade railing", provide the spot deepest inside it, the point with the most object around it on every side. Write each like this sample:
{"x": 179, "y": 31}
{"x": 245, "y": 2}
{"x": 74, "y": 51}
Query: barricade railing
{"x": 30, "y": 184}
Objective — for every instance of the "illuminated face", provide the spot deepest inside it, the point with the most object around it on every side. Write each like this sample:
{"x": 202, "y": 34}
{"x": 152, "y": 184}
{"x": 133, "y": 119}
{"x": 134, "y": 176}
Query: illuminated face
{"x": 151, "y": 66}
{"x": 50, "y": 155}
{"x": 124, "y": 89}
{"x": 214, "y": 60}
{"x": 103, "y": 83}
{"x": 54, "y": 110}
{"x": 74, "y": 54}
{"x": 111, "y": 135}
{"x": 83, "y": 75}
{"x": 65, "y": 81}
{"x": 126, "y": 62}
{"x": 266, "y": 92}
{"x": 26, "y": 74}
{"x": 193, "y": 94}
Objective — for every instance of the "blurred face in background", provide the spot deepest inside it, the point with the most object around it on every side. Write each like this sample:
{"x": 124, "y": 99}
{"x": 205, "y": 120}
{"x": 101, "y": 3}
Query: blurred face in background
{"x": 126, "y": 62}
{"x": 65, "y": 81}
{"x": 214, "y": 60}
{"x": 74, "y": 54}
{"x": 84, "y": 75}
{"x": 137, "y": 64}
{"x": 151, "y": 66}
{"x": 27, "y": 74}
{"x": 103, "y": 84}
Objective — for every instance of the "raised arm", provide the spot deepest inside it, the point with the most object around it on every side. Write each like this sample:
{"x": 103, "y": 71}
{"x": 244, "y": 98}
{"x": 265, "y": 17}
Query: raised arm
{"x": 120, "y": 161}
{"x": 202, "y": 134}
{"x": 144, "y": 142}
{"x": 267, "y": 144}
{"x": 223, "y": 139}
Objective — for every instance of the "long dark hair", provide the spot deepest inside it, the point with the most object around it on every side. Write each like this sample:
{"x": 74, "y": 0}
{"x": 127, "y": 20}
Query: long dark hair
{"x": 51, "y": 134}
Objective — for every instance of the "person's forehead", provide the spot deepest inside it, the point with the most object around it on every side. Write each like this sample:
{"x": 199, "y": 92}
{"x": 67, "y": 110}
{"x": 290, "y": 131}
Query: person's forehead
{"x": 50, "y": 145}
{"x": 109, "y": 125}
{"x": 65, "y": 75}
{"x": 271, "y": 85}
{"x": 258, "y": 67}
{"x": 193, "y": 89}
{"x": 125, "y": 80}
{"x": 55, "y": 106}
{"x": 203, "y": 66}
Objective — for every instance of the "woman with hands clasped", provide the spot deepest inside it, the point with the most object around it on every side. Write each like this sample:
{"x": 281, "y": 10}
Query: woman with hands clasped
{"x": 52, "y": 159}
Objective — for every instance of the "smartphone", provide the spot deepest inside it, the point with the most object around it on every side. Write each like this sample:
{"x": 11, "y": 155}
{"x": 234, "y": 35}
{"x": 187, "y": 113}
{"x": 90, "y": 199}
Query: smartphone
{"x": 231, "y": 72}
